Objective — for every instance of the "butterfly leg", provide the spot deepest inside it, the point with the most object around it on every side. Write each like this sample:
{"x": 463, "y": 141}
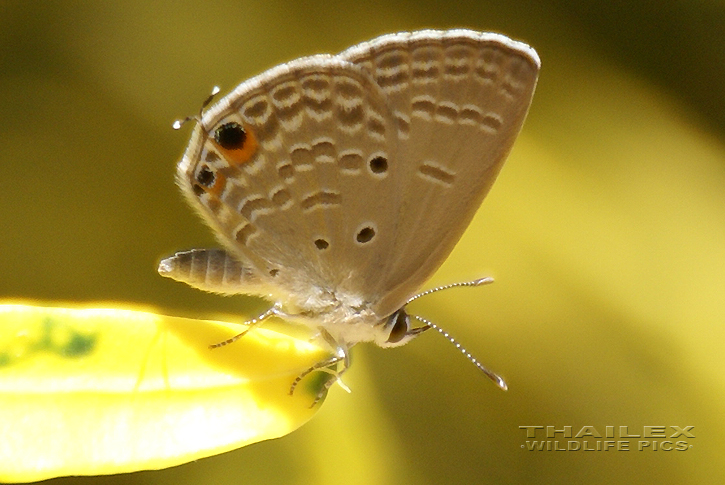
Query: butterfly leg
{"x": 341, "y": 355}
{"x": 255, "y": 322}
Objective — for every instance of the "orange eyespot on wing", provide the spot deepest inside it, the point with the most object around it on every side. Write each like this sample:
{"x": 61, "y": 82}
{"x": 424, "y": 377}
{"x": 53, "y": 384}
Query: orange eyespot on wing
{"x": 220, "y": 181}
{"x": 235, "y": 142}
{"x": 208, "y": 180}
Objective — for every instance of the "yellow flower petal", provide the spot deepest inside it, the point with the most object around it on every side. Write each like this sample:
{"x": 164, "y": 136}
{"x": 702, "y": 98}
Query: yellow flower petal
{"x": 101, "y": 391}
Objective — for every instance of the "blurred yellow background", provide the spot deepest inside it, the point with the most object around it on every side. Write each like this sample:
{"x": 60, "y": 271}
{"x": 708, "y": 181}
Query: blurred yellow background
{"x": 605, "y": 231}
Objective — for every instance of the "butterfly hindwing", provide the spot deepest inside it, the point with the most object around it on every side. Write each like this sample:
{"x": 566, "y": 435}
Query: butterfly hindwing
{"x": 309, "y": 201}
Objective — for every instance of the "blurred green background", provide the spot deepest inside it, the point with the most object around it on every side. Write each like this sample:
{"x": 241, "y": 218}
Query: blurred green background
{"x": 605, "y": 230}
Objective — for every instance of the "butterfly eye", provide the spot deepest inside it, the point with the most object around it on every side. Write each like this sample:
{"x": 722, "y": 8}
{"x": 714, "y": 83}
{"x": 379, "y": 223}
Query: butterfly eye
{"x": 230, "y": 136}
{"x": 400, "y": 326}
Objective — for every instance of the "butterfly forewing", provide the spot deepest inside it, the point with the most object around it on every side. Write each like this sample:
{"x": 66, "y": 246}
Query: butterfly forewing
{"x": 459, "y": 99}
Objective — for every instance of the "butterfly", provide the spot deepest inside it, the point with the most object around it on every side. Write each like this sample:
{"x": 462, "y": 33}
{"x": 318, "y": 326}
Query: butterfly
{"x": 338, "y": 184}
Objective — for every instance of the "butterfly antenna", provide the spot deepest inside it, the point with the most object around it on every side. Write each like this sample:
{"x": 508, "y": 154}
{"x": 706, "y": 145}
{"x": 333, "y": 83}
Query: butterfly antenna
{"x": 478, "y": 282}
{"x": 497, "y": 379}
{"x": 179, "y": 123}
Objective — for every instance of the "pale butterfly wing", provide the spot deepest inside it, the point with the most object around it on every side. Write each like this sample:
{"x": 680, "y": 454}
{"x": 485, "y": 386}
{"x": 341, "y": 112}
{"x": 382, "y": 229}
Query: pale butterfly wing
{"x": 300, "y": 200}
{"x": 459, "y": 99}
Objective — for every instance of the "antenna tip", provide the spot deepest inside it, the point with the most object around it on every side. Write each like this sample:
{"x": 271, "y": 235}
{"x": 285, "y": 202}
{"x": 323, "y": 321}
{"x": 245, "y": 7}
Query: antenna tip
{"x": 502, "y": 384}
{"x": 483, "y": 281}
{"x": 215, "y": 90}
{"x": 497, "y": 379}
{"x": 177, "y": 124}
